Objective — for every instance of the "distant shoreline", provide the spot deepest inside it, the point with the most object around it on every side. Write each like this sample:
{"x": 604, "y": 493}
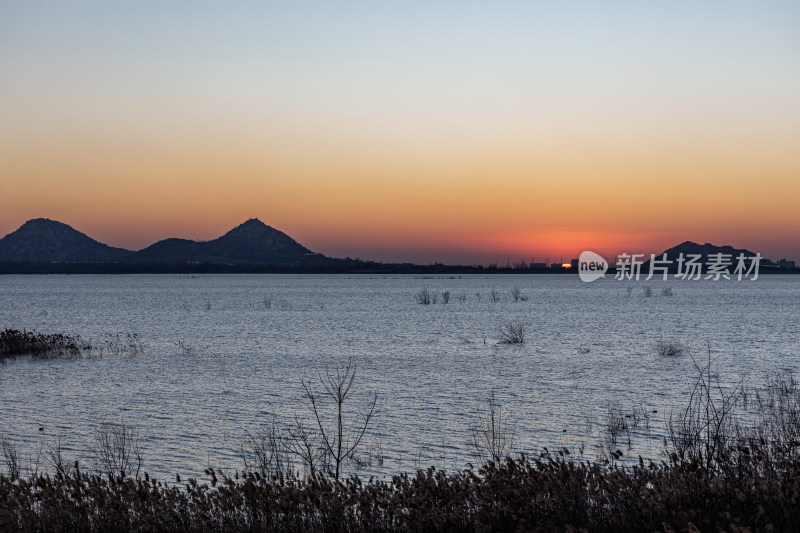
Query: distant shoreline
{"x": 211, "y": 268}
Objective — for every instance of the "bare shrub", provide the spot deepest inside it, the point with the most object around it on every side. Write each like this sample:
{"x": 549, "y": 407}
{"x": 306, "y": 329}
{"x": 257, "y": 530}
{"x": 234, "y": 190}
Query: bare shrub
{"x": 512, "y": 333}
{"x": 266, "y": 451}
{"x": 116, "y": 449}
{"x": 648, "y": 291}
{"x": 492, "y": 438}
{"x": 446, "y": 297}
{"x": 55, "y": 457}
{"x": 425, "y": 297}
{"x": 670, "y": 349}
{"x": 705, "y": 428}
{"x": 372, "y": 456}
{"x": 461, "y": 298}
{"x": 667, "y": 291}
{"x": 267, "y": 302}
{"x": 778, "y": 408}
{"x": 10, "y": 457}
{"x": 494, "y": 296}
{"x": 340, "y": 437}
{"x": 304, "y": 442}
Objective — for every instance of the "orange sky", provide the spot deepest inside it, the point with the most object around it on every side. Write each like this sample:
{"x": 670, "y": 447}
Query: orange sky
{"x": 632, "y": 134}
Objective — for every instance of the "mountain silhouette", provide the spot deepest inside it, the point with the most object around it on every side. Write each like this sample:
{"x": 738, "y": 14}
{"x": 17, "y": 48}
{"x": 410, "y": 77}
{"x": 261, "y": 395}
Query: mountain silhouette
{"x": 169, "y": 250}
{"x": 704, "y": 250}
{"x": 250, "y": 242}
{"x": 43, "y": 245}
{"x": 42, "y": 240}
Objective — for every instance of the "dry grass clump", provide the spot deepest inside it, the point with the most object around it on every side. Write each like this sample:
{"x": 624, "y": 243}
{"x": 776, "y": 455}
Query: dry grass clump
{"x": 512, "y": 333}
{"x": 128, "y": 344}
{"x": 426, "y": 297}
{"x": 518, "y": 296}
{"x": 670, "y": 349}
{"x": 14, "y": 342}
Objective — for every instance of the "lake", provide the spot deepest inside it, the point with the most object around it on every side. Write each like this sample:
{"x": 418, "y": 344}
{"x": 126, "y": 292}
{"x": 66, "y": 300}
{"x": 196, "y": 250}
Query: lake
{"x": 224, "y": 355}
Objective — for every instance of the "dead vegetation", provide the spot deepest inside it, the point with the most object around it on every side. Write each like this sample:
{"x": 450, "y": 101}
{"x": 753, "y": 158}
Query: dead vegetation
{"x": 721, "y": 472}
{"x": 14, "y": 342}
{"x": 512, "y": 333}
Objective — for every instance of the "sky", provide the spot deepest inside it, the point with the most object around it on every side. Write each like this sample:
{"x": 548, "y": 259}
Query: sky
{"x": 436, "y": 131}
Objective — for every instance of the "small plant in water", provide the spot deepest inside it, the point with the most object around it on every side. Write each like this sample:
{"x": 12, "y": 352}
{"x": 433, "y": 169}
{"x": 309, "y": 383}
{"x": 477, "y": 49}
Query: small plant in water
{"x": 492, "y": 437}
{"x": 518, "y": 296}
{"x": 183, "y": 348}
{"x": 670, "y": 349}
{"x": 512, "y": 333}
{"x": 426, "y": 297}
{"x": 128, "y": 344}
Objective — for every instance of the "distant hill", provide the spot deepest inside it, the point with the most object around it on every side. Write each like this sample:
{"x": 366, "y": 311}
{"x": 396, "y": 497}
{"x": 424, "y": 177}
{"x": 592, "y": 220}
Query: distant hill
{"x": 46, "y": 241}
{"x": 704, "y": 250}
{"x": 248, "y": 246}
{"x": 250, "y": 242}
{"x": 169, "y": 250}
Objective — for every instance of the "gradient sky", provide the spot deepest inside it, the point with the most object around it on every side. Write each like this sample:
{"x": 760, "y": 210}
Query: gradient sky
{"x": 419, "y": 131}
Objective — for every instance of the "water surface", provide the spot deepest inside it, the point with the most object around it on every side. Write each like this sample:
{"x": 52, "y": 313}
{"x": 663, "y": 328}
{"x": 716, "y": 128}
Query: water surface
{"x": 587, "y": 346}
